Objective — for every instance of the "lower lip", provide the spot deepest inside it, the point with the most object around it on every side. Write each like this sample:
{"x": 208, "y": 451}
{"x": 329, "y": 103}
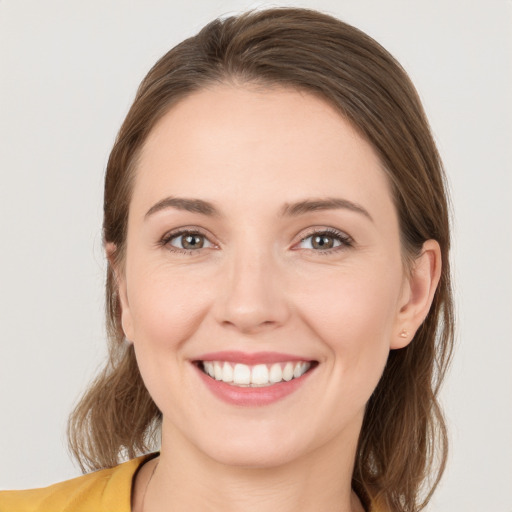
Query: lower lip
{"x": 252, "y": 397}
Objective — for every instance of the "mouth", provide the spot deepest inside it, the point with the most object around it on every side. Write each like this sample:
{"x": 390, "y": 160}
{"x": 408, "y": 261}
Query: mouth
{"x": 255, "y": 376}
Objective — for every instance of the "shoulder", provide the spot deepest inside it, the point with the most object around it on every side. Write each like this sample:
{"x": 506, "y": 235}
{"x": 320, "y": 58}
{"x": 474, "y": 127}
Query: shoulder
{"x": 107, "y": 490}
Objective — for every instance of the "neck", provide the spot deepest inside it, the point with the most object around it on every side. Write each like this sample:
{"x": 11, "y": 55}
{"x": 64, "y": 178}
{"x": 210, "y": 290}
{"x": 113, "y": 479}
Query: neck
{"x": 186, "y": 479}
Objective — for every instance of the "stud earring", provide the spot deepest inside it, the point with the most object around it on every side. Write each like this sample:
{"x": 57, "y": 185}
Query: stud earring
{"x": 404, "y": 333}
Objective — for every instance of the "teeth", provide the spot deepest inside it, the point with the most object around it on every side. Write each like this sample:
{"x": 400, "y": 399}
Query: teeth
{"x": 242, "y": 374}
{"x": 276, "y": 374}
{"x": 299, "y": 370}
{"x": 227, "y": 373}
{"x": 289, "y": 372}
{"x": 209, "y": 368}
{"x": 217, "y": 370}
{"x": 255, "y": 376}
{"x": 259, "y": 374}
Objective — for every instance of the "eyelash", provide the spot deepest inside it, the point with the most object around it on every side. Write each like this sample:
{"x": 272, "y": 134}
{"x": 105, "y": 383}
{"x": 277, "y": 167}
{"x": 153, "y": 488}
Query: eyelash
{"x": 165, "y": 242}
{"x": 346, "y": 241}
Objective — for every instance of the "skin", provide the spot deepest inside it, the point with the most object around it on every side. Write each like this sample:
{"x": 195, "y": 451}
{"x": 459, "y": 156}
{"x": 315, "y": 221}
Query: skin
{"x": 259, "y": 284}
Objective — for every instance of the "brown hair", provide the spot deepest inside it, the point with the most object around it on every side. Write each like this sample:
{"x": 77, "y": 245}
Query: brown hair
{"x": 402, "y": 447}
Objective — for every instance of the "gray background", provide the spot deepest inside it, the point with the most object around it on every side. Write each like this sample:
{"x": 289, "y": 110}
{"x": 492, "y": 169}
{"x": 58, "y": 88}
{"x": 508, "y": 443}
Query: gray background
{"x": 68, "y": 72}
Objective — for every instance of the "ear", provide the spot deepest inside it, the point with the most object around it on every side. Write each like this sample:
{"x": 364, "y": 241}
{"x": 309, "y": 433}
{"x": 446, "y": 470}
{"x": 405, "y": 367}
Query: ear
{"x": 120, "y": 280}
{"x": 417, "y": 294}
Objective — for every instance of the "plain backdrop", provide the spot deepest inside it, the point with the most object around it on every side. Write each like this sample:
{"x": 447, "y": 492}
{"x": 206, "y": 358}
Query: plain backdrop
{"x": 68, "y": 73}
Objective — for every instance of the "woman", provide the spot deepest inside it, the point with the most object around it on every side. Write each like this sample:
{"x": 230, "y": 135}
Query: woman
{"x": 278, "y": 289}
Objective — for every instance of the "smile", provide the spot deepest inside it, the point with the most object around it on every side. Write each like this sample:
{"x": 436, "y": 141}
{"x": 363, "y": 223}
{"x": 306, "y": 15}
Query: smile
{"x": 259, "y": 375}
{"x": 244, "y": 379}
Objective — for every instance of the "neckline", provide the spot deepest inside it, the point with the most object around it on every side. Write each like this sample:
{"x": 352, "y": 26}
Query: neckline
{"x": 143, "y": 460}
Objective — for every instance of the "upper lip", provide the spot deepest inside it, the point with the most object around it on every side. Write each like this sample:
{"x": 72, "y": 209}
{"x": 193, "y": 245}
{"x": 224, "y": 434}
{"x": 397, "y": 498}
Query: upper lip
{"x": 234, "y": 356}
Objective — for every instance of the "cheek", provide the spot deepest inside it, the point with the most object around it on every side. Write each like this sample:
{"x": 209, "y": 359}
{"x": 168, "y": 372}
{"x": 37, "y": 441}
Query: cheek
{"x": 353, "y": 314}
{"x": 165, "y": 307}
{"x": 352, "y": 304}
{"x": 166, "y": 310}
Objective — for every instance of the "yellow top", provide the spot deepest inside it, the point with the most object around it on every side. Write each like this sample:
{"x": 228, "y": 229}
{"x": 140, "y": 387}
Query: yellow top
{"x": 108, "y": 490}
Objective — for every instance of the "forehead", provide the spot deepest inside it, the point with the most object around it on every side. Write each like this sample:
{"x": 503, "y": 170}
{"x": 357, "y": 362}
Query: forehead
{"x": 232, "y": 142}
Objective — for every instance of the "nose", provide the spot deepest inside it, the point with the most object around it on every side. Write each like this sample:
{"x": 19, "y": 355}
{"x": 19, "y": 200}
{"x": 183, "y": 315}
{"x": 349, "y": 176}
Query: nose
{"x": 252, "y": 294}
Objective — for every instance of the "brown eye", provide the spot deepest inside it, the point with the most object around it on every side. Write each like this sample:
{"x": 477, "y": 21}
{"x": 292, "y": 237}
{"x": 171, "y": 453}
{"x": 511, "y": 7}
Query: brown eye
{"x": 192, "y": 241}
{"x": 326, "y": 240}
{"x": 186, "y": 241}
{"x": 322, "y": 242}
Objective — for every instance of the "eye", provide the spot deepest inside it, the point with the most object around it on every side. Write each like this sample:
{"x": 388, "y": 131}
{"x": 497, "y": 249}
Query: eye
{"x": 326, "y": 241}
{"x": 186, "y": 241}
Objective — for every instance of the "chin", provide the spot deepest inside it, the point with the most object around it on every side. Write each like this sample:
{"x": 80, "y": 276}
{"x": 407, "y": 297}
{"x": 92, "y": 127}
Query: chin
{"x": 264, "y": 444}
{"x": 256, "y": 456}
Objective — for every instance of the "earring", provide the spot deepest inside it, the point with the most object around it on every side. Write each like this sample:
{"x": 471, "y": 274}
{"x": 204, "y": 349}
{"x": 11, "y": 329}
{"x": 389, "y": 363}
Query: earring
{"x": 404, "y": 333}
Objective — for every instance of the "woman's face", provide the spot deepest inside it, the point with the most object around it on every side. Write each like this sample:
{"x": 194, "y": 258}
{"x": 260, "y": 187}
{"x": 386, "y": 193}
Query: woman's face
{"x": 262, "y": 241}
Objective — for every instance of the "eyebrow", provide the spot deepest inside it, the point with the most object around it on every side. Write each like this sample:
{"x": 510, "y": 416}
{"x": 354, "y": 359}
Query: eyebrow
{"x": 330, "y": 203}
{"x": 289, "y": 209}
{"x": 182, "y": 203}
